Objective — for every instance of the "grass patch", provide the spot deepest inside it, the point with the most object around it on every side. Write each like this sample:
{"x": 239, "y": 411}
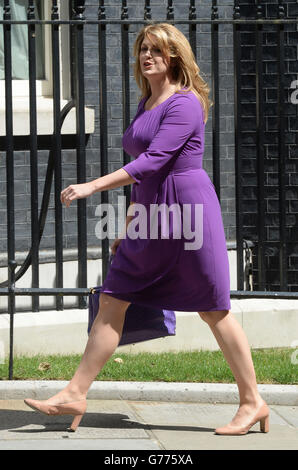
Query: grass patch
{"x": 272, "y": 366}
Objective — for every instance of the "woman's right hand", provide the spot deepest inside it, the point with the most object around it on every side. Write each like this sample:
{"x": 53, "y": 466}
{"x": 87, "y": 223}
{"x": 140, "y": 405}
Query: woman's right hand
{"x": 77, "y": 191}
{"x": 115, "y": 245}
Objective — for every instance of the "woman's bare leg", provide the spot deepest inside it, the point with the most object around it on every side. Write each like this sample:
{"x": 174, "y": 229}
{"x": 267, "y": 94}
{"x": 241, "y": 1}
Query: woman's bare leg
{"x": 235, "y": 348}
{"x": 103, "y": 339}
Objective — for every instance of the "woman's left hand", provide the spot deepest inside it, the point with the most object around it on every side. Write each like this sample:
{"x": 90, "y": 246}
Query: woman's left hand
{"x": 76, "y": 191}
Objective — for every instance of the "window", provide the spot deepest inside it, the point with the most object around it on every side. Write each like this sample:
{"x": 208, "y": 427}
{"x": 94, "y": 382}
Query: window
{"x": 44, "y": 82}
{"x": 19, "y": 44}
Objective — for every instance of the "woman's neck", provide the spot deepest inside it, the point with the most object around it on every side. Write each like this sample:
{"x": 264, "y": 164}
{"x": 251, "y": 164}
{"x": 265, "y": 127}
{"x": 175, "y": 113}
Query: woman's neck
{"x": 161, "y": 89}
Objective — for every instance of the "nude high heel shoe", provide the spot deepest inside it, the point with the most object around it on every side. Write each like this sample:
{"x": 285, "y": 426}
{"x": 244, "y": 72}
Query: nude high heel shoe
{"x": 262, "y": 415}
{"x": 75, "y": 408}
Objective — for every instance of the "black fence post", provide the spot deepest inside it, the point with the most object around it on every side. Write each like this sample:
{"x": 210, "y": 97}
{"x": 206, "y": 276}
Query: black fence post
{"x": 11, "y": 311}
{"x": 56, "y": 148}
{"x": 193, "y": 27}
{"x": 238, "y": 162}
{"x": 260, "y": 151}
{"x": 9, "y": 180}
{"x": 125, "y": 88}
{"x": 282, "y": 150}
{"x": 103, "y": 109}
{"x": 79, "y": 91}
{"x": 215, "y": 98}
{"x": 33, "y": 153}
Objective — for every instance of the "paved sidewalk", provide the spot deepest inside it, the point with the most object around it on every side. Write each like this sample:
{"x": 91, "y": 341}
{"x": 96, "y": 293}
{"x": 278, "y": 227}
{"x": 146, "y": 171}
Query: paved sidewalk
{"x": 142, "y": 425}
{"x": 145, "y": 416}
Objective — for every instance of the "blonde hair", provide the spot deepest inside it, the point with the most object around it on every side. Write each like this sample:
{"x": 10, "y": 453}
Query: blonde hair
{"x": 177, "y": 51}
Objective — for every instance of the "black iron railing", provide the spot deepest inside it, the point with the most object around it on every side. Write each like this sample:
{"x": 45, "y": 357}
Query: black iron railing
{"x": 77, "y": 23}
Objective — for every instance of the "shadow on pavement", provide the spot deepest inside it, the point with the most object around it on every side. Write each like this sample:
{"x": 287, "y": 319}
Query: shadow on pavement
{"x": 15, "y": 419}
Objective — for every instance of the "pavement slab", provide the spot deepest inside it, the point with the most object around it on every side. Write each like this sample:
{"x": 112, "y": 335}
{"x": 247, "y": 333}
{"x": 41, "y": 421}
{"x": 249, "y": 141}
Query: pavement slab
{"x": 288, "y": 413}
{"x": 104, "y": 419}
{"x": 191, "y": 426}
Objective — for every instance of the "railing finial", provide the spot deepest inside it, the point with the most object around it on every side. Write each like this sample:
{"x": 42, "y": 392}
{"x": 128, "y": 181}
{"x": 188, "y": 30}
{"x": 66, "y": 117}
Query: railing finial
{"x": 6, "y": 10}
{"x": 281, "y": 9}
{"x": 55, "y": 10}
{"x": 147, "y": 11}
{"x": 214, "y": 10}
{"x": 236, "y": 13}
{"x": 102, "y": 10}
{"x": 31, "y": 10}
{"x": 192, "y": 10}
{"x": 170, "y": 10}
{"x": 259, "y": 11}
{"x": 79, "y": 8}
{"x": 124, "y": 10}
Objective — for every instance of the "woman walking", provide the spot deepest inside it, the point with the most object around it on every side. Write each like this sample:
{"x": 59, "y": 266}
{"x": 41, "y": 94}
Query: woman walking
{"x": 166, "y": 139}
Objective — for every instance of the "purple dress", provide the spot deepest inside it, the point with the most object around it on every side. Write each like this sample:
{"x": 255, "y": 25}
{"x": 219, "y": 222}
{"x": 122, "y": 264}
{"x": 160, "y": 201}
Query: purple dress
{"x": 186, "y": 270}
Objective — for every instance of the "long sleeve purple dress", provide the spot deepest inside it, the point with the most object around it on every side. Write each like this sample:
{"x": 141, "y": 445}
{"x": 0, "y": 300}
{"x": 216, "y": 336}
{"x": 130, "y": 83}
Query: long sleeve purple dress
{"x": 167, "y": 144}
